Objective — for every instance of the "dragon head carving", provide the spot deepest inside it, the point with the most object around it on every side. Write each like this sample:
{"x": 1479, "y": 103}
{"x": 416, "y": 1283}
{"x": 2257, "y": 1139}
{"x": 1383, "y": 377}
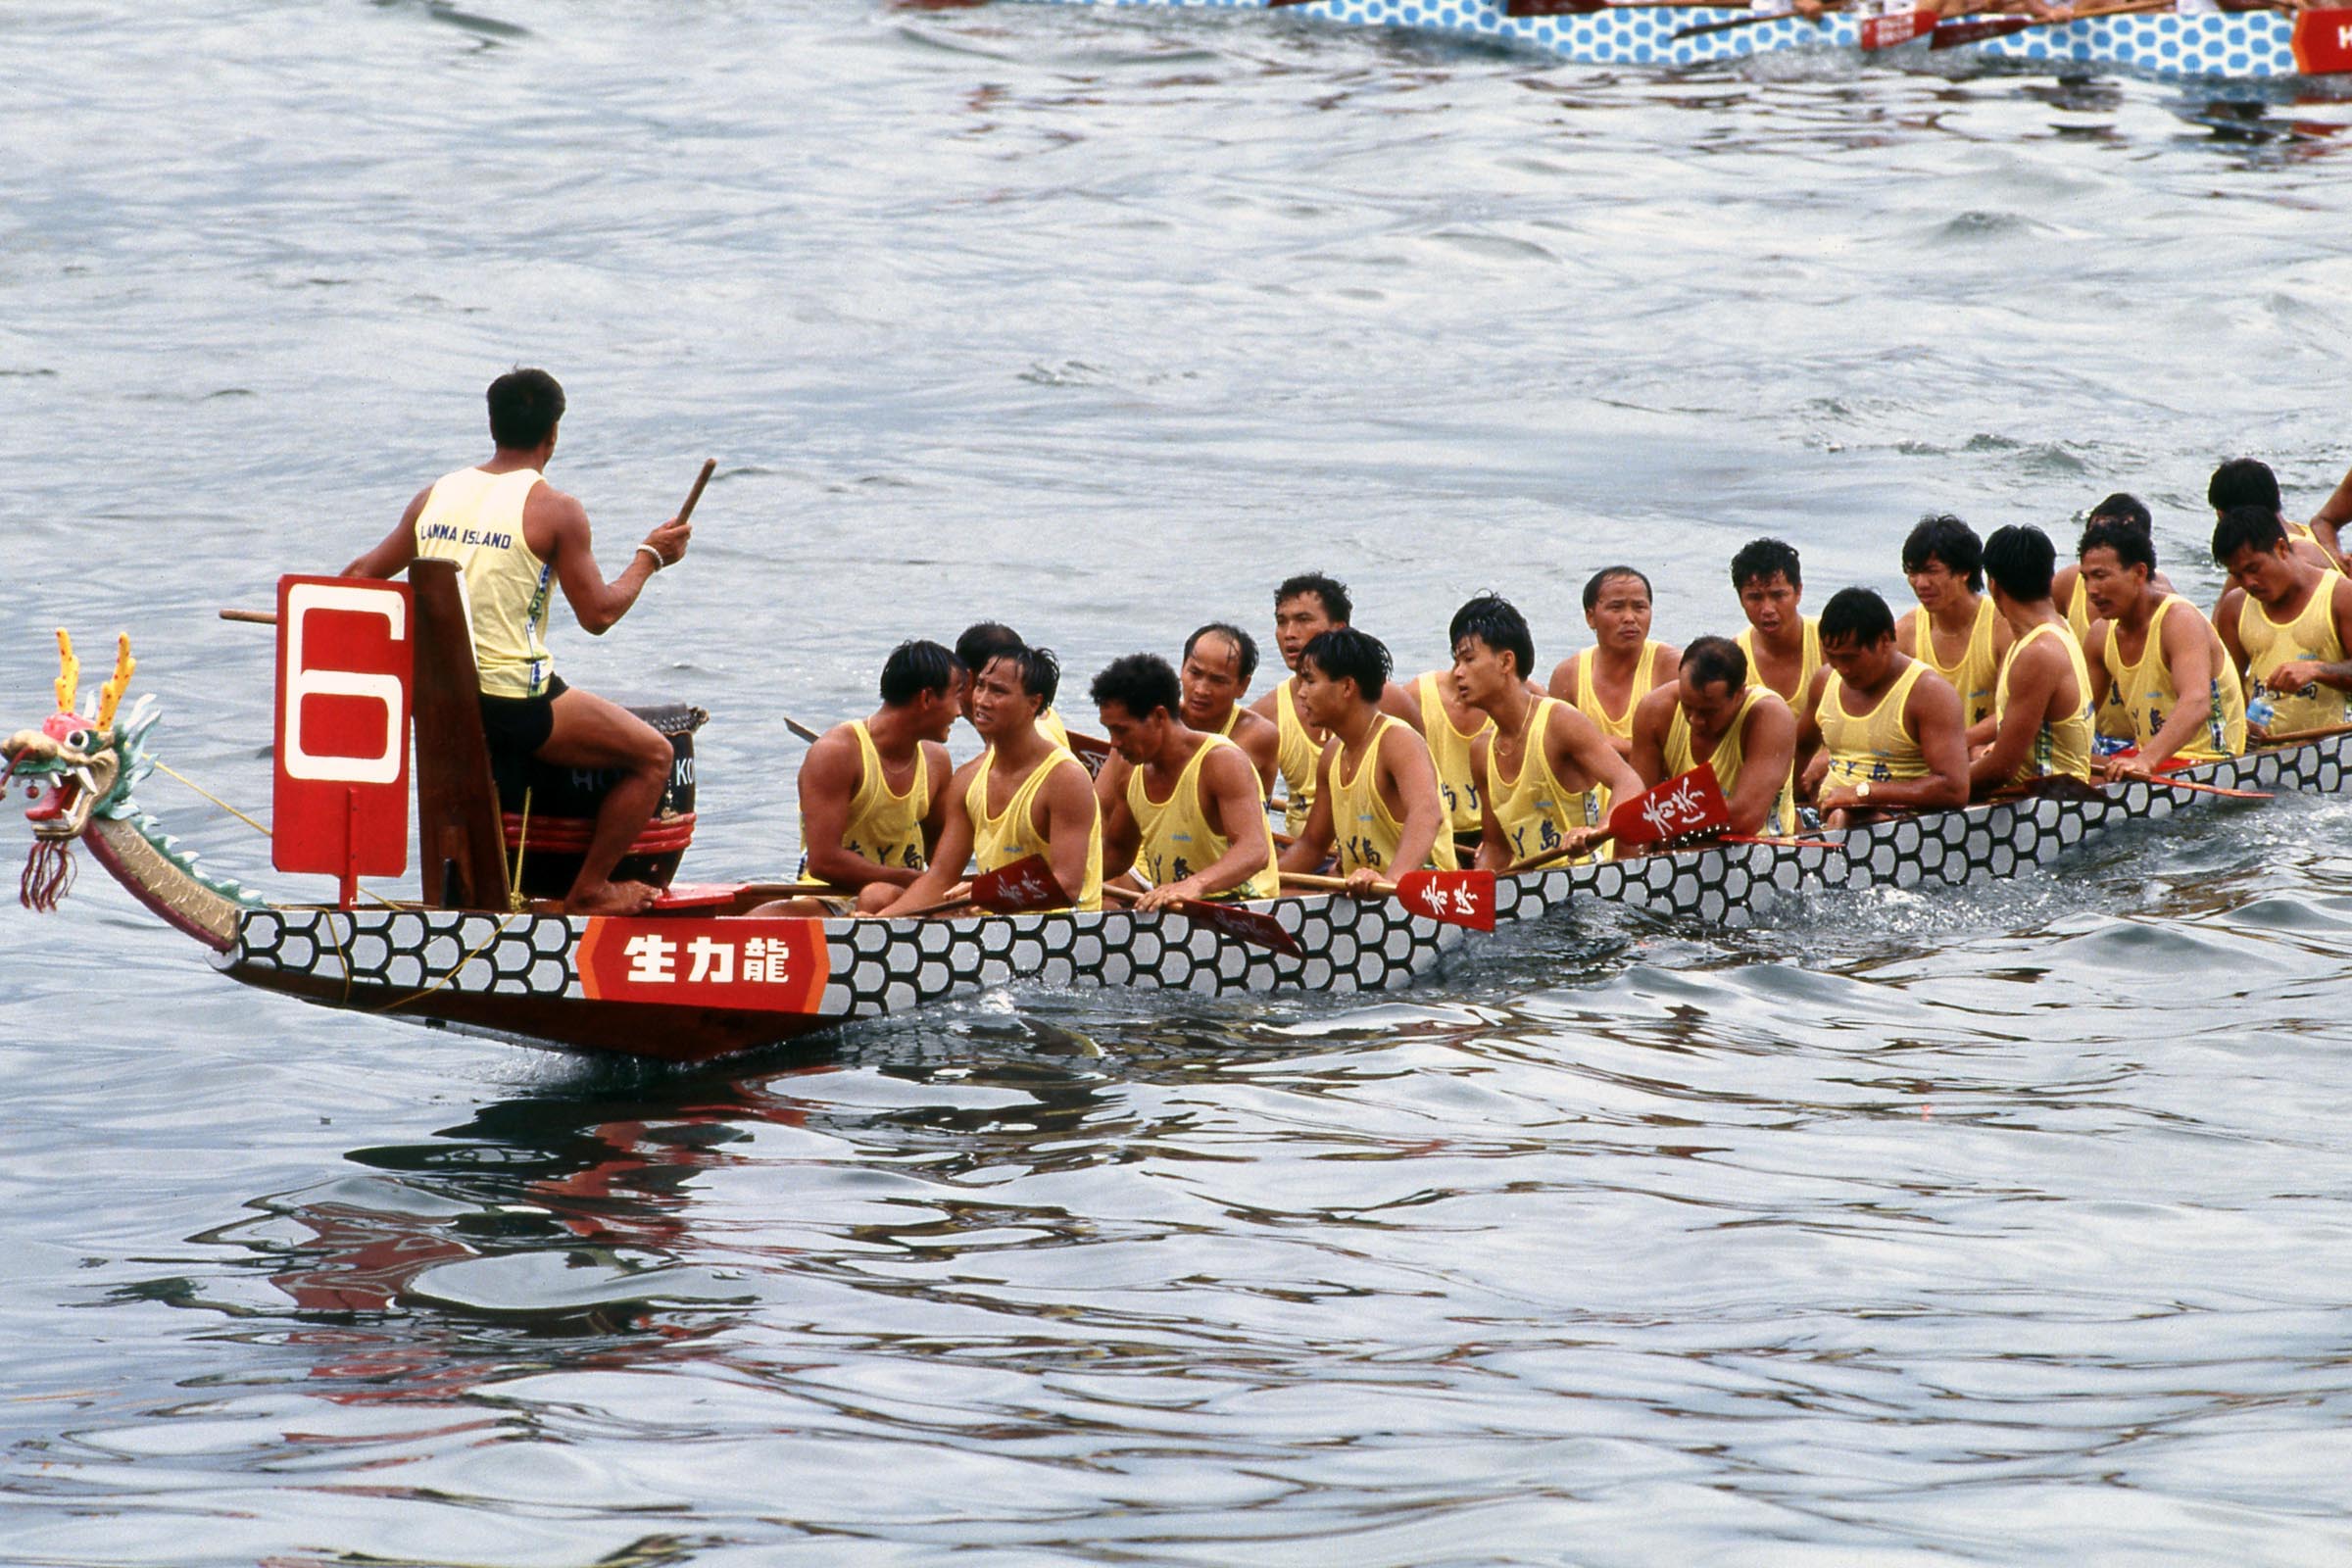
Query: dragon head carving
{"x": 78, "y": 765}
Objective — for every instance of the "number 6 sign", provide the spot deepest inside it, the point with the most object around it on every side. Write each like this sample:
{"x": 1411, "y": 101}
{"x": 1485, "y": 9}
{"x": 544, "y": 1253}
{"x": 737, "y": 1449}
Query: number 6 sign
{"x": 345, "y": 654}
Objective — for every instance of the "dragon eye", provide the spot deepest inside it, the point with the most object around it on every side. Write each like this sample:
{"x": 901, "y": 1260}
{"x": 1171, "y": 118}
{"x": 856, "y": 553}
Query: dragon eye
{"x": 79, "y": 739}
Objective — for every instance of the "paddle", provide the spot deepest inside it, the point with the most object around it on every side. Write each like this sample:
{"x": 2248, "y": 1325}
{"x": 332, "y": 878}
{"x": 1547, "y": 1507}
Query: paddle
{"x": 1953, "y": 34}
{"x": 2172, "y": 764}
{"x": 1686, "y": 804}
{"x": 1750, "y": 22}
{"x": 1250, "y": 926}
{"x": 2296, "y": 737}
{"x": 1585, "y": 7}
{"x": 1455, "y": 897}
{"x": 1021, "y": 888}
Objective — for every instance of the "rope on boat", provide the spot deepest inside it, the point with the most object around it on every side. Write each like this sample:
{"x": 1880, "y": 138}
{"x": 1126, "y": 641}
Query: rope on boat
{"x": 515, "y": 902}
{"x": 167, "y": 767}
{"x": 497, "y": 931}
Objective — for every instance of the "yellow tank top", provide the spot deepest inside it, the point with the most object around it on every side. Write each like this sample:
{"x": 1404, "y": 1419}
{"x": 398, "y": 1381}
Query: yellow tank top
{"x": 1360, "y": 820}
{"x": 885, "y": 828}
{"x": 1807, "y": 668}
{"x": 2060, "y": 748}
{"x": 1296, "y": 755}
{"x": 1534, "y": 810}
{"x": 2310, "y": 635}
{"x": 1050, "y": 723}
{"x": 1588, "y": 698}
{"x": 1178, "y": 838}
{"x": 1011, "y": 834}
{"x": 2146, "y": 687}
{"x": 1875, "y": 745}
{"x": 1449, "y": 749}
{"x": 1729, "y": 755}
{"x": 2113, "y": 719}
{"x": 476, "y": 519}
{"x": 1975, "y": 674}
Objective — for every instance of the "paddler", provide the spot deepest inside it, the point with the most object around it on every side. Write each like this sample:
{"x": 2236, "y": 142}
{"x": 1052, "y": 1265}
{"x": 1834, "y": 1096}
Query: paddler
{"x": 1432, "y": 702}
{"x": 1190, "y": 820}
{"x": 1955, "y": 631}
{"x": 2284, "y": 621}
{"x": 2249, "y": 483}
{"x": 1782, "y": 643}
{"x": 2040, "y": 724}
{"x": 514, "y": 536}
{"x": 1376, "y": 789}
{"x": 1890, "y": 727}
{"x": 874, "y": 791}
{"x": 984, "y": 640}
{"x": 1219, "y": 661}
{"x": 1713, "y": 714}
{"x": 2161, "y": 657}
{"x": 2114, "y": 725}
{"x": 1609, "y": 681}
{"x": 1538, "y": 759}
{"x": 1023, "y": 796}
{"x": 1305, "y": 607}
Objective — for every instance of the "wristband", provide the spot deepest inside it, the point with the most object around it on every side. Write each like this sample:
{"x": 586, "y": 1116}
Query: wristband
{"x": 659, "y": 563}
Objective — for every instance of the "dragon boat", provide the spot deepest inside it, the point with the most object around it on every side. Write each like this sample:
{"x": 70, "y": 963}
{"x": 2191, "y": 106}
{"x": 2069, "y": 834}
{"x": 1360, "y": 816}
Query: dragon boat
{"x": 701, "y": 977}
{"x": 2241, "y": 45}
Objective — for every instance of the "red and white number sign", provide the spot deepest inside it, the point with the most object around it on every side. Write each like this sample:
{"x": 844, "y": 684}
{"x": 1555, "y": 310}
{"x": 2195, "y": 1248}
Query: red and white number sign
{"x": 763, "y": 966}
{"x": 2323, "y": 42}
{"x": 345, "y": 654}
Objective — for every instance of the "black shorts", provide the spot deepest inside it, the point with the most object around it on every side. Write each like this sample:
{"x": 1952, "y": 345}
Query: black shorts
{"x": 518, "y": 726}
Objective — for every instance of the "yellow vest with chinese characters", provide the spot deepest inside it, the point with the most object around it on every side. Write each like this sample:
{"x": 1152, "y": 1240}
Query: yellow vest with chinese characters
{"x": 2064, "y": 746}
{"x": 1360, "y": 820}
{"x": 1872, "y": 746}
{"x": 1178, "y": 838}
{"x": 2149, "y": 696}
{"x": 1730, "y": 756}
{"x": 1012, "y": 834}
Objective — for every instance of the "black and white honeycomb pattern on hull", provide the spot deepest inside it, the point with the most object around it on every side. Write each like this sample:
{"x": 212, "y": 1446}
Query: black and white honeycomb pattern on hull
{"x": 884, "y": 966}
{"x": 888, "y": 967}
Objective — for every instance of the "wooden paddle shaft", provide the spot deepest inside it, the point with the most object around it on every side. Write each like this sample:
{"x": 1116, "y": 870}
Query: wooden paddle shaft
{"x": 251, "y": 617}
{"x": 1330, "y": 884}
{"x": 710, "y": 466}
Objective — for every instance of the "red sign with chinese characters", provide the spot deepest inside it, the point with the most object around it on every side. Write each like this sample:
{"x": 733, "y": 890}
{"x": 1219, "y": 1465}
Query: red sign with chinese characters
{"x": 345, "y": 655}
{"x": 2323, "y": 42}
{"x": 1458, "y": 898}
{"x": 1888, "y": 30}
{"x": 760, "y": 965}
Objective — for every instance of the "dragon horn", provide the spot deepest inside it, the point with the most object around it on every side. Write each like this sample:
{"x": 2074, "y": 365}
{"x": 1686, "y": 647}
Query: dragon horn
{"x": 110, "y": 696}
{"x": 68, "y": 672}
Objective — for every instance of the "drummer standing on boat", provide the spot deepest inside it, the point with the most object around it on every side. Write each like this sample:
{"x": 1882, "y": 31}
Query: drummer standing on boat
{"x": 1305, "y": 607}
{"x": 2042, "y": 719}
{"x": 2286, "y": 624}
{"x": 1190, "y": 821}
{"x": 513, "y": 537}
{"x": 1376, "y": 790}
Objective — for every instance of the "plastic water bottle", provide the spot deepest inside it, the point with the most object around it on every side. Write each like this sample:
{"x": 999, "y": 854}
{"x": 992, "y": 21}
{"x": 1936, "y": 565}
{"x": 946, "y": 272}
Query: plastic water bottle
{"x": 2258, "y": 709}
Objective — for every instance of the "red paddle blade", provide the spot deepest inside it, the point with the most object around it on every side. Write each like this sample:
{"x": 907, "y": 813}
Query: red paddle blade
{"x": 1020, "y": 888}
{"x": 1952, "y": 35}
{"x": 2323, "y": 42}
{"x": 1242, "y": 925}
{"x": 1687, "y": 803}
{"x": 1458, "y": 898}
{"x": 1885, "y": 33}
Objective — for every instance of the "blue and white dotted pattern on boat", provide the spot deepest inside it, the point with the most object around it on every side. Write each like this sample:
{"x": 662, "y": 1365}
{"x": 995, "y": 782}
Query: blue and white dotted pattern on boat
{"x": 2252, "y": 44}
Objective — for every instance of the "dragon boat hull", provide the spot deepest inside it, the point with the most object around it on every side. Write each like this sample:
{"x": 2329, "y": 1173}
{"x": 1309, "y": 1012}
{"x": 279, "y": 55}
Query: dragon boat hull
{"x": 2244, "y": 45}
{"x": 679, "y": 988}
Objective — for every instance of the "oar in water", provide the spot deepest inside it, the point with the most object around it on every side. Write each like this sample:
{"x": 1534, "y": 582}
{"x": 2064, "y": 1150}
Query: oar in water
{"x": 1257, "y": 929}
{"x": 1686, "y": 804}
{"x": 1455, "y": 897}
{"x": 1977, "y": 29}
{"x": 1021, "y": 888}
{"x": 1752, "y": 21}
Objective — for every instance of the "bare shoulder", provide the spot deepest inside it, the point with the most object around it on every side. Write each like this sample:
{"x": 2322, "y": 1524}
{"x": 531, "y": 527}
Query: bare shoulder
{"x": 1657, "y": 708}
{"x": 1563, "y": 678}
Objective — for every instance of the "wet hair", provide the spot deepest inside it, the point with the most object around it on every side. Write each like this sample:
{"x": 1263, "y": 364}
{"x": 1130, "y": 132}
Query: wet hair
{"x": 982, "y": 641}
{"x": 1333, "y": 592}
{"x": 524, "y": 406}
{"x": 1345, "y": 653}
{"x": 1760, "y": 559}
{"x": 2123, "y": 507}
{"x": 2132, "y": 547}
{"x": 2242, "y": 482}
{"x": 2019, "y": 560}
{"x": 1592, "y": 584}
{"x": 915, "y": 666}
{"x": 1940, "y": 536}
{"x": 1855, "y": 615}
{"x": 1709, "y": 660}
{"x": 1040, "y": 670}
{"x": 2254, "y": 526}
{"x": 1139, "y": 683}
{"x": 1496, "y": 622}
{"x": 1241, "y": 640}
